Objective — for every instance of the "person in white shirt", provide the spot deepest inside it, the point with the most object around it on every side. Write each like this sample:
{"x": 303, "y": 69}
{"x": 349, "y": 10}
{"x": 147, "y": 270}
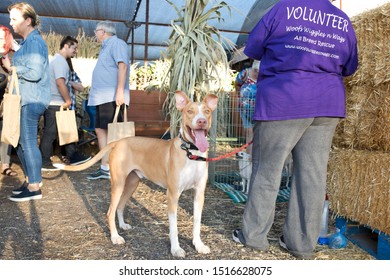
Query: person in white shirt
{"x": 60, "y": 97}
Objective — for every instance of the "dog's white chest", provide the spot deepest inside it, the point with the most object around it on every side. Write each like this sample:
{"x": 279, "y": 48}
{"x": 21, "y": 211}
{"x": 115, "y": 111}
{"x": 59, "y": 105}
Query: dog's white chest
{"x": 194, "y": 175}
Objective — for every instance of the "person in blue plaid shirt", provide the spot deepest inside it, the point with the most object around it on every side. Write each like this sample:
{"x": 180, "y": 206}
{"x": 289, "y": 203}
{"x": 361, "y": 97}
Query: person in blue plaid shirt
{"x": 74, "y": 85}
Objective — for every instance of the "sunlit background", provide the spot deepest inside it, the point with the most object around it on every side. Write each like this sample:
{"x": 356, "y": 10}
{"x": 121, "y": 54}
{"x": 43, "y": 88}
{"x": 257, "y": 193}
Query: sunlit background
{"x": 354, "y": 7}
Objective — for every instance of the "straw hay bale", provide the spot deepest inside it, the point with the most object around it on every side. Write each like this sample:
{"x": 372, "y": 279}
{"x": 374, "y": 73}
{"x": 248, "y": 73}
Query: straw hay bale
{"x": 372, "y": 31}
{"x": 359, "y": 176}
{"x": 359, "y": 187}
{"x": 367, "y": 125}
{"x": 374, "y": 64}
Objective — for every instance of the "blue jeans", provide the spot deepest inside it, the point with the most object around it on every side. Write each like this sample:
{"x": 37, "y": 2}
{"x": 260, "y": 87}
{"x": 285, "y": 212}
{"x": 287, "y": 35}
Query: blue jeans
{"x": 27, "y": 149}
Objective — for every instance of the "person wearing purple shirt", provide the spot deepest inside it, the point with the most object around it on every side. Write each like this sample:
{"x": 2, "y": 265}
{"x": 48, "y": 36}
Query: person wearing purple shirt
{"x": 305, "y": 48}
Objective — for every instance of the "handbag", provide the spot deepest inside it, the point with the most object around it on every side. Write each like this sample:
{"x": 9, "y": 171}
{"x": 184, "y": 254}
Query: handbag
{"x": 66, "y": 126}
{"x": 11, "y": 112}
{"x": 118, "y": 130}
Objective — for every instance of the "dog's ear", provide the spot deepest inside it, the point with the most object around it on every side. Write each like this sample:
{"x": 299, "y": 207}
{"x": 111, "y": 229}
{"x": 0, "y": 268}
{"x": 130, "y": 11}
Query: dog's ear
{"x": 181, "y": 100}
{"x": 211, "y": 101}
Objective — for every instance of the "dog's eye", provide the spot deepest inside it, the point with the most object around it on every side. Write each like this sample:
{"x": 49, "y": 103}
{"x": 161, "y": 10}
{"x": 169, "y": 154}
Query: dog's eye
{"x": 207, "y": 112}
{"x": 190, "y": 112}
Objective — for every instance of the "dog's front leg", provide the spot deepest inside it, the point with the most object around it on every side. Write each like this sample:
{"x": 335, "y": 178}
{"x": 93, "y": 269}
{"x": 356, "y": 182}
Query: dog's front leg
{"x": 173, "y": 199}
{"x": 198, "y": 207}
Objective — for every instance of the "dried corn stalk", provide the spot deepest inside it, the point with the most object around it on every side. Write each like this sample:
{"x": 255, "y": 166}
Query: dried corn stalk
{"x": 199, "y": 64}
{"x": 88, "y": 47}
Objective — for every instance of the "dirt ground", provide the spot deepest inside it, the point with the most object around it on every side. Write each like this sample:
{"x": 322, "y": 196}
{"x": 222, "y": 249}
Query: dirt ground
{"x": 70, "y": 223}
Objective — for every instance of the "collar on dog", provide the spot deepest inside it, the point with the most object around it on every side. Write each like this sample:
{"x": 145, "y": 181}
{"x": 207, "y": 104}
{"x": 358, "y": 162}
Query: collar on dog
{"x": 199, "y": 158}
{"x": 191, "y": 156}
{"x": 186, "y": 145}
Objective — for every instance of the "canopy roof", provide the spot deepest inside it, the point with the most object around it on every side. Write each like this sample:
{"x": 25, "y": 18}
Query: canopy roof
{"x": 143, "y": 24}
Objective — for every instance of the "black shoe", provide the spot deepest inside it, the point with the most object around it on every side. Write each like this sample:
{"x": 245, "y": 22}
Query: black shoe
{"x": 239, "y": 238}
{"x": 282, "y": 243}
{"x": 23, "y": 187}
{"x": 236, "y": 237}
{"x": 26, "y": 195}
{"x": 48, "y": 166}
{"x": 77, "y": 159}
{"x": 300, "y": 256}
{"x": 20, "y": 189}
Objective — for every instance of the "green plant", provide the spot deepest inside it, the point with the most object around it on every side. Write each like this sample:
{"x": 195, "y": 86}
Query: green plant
{"x": 87, "y": 46}
{"x": 198, "y": 60}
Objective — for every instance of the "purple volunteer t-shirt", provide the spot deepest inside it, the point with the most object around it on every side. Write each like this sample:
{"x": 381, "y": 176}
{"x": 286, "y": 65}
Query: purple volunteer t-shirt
{"x": 305, "y": 48}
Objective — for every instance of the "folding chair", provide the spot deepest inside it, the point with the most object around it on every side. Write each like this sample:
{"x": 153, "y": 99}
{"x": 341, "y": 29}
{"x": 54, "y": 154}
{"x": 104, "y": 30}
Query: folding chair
{"x": 87, "y": 132}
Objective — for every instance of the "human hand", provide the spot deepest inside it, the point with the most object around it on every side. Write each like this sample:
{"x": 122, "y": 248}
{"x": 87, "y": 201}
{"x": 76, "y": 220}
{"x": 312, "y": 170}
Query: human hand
{"x": 77, "y": 86}
{"x": 66, "y": 105}
{"x": 6, "y": 64}
{"x": 119, "y": 98}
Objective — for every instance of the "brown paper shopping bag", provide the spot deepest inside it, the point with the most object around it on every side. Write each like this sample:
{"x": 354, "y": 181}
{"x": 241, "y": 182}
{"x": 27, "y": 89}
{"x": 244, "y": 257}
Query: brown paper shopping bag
{"x": 11, "y": 112}
{"x": 118, "y": 130}
{"x": 66, "y": 126}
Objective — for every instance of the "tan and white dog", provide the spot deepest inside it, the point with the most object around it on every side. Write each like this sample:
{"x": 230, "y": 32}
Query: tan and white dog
{"x": 166, "y": 164}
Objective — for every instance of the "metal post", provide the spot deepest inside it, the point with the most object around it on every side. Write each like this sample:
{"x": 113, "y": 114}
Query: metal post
{"x": 213, "y": 147}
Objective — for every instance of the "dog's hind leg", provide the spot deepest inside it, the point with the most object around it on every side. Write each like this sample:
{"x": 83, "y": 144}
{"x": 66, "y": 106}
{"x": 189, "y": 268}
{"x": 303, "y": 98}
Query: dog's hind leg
{"x": 247, "y": 186}
{"x": 173, "y": 200}
{"x": 198, "y": 207}
{"x": 117, "y": 189}
{"x": 131, "y": 185}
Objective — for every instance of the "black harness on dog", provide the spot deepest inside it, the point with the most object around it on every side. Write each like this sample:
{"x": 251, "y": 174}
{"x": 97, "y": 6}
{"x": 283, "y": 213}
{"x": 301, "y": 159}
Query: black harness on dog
{"x": 187, "y": 146}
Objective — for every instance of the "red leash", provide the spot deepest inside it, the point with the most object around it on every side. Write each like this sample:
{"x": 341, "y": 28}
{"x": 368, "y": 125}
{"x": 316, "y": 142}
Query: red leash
{"x": 194, "y": 157}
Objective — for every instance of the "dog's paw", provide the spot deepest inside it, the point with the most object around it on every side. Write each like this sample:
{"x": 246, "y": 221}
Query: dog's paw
{"x": 117, "y": 239}
{"x": 125, "y": 226}
{"x": 179, "y": 252}
{"x": 202, "y": 249}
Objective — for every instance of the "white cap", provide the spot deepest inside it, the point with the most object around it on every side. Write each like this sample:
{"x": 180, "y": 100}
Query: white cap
{"x": 256, "y": 64}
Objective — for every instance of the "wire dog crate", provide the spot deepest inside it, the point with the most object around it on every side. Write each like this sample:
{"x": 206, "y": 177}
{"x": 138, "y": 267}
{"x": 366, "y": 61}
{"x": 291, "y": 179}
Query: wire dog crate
{"x": 231, "y": 174}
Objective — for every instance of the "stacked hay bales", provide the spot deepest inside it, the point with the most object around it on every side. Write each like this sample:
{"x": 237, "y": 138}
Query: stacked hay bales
{"x": 359, "y": 166}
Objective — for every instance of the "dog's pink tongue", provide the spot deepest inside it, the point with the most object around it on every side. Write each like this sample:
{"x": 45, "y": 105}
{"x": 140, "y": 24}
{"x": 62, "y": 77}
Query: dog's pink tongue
{"x": 201, "y": 140}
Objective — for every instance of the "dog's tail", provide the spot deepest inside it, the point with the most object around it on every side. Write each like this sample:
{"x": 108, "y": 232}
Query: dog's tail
{"x": 89, "y": 163}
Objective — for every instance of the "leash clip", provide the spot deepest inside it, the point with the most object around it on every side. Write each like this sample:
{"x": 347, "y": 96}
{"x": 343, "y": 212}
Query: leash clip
{"x": 190, "y": 156}
{"x": 198, "y": 158}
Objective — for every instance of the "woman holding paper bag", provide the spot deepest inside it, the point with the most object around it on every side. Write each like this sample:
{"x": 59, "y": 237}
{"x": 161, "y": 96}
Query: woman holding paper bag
{"x": 7, "y": 47}
{"x": 31, "y": 64}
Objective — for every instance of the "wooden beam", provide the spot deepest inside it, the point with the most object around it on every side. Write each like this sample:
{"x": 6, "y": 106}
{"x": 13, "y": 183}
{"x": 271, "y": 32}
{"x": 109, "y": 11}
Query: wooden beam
{"x": 126, "y": 21}
{"x": 74, "y": 18}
